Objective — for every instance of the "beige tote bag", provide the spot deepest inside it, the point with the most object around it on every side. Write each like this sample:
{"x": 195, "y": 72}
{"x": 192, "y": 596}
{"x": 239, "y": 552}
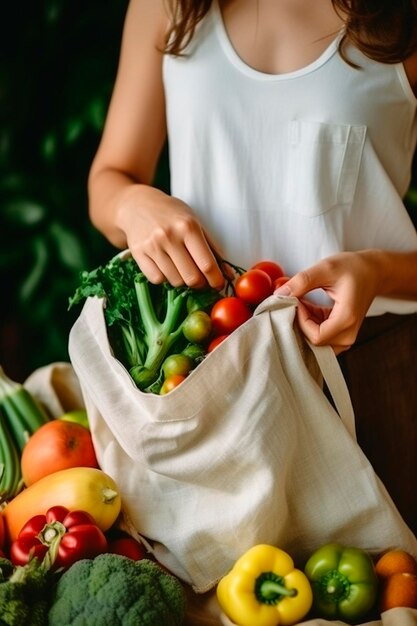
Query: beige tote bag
{"x": 246, "y": 450}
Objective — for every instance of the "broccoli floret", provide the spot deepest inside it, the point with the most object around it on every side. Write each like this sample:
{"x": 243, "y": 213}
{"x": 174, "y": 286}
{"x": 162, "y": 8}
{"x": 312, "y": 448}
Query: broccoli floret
{"x": 24, "y": 596}
{"x": 113, "y": 590}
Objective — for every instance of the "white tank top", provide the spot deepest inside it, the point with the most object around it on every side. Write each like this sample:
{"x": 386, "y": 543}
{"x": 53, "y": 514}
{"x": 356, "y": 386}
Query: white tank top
{"x": 291, "y": 167}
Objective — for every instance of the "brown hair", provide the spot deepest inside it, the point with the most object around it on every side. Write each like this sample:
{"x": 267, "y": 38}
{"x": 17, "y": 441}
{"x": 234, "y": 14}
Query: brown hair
{"x": 384, "y": 30}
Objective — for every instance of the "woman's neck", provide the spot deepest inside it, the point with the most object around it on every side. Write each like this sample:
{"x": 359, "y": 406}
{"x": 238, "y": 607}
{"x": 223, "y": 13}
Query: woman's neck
{"x": 280, "y": 36}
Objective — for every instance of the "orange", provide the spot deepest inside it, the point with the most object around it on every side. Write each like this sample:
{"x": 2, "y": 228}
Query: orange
{"x": 399, "y": 589}
{"x": 395, "y": 562}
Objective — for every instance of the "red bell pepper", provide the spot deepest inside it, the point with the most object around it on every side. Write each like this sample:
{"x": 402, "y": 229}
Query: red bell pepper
{"x": 60, "y": 537}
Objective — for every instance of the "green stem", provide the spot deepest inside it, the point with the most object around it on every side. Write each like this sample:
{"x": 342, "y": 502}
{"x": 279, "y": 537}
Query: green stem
{"x": 270, "y": 588}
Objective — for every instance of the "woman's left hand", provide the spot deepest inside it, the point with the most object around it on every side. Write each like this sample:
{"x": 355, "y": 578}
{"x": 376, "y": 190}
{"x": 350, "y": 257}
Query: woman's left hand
{"x": 350, "y": 279}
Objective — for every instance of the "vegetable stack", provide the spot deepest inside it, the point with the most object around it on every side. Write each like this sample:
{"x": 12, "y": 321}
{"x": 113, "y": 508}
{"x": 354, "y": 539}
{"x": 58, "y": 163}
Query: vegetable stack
{"x": 20, "y": 416}
{"x": 144, "y": 321}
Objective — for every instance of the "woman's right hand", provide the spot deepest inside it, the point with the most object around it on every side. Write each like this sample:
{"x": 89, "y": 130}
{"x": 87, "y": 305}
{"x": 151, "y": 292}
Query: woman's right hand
{"x": 166, "y": 239}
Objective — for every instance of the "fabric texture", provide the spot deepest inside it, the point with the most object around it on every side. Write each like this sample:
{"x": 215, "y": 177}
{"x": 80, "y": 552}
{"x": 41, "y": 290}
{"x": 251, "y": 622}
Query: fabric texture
{"x": 296, "y": 166}
{"x": 247, "y": 449}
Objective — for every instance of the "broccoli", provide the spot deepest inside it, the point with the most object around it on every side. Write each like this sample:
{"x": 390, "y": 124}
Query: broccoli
{"x": 24, "y": 594}
{"x": 112, "y": 590}
{"x": 144, "y": 320}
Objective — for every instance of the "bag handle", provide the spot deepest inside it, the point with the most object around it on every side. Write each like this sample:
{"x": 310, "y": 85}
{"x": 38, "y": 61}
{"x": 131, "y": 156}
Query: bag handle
{"x": 336, "y": 384}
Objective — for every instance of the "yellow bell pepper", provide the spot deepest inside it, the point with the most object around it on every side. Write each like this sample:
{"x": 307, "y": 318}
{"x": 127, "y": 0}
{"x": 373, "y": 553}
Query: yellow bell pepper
{"x": 264, "y": 589}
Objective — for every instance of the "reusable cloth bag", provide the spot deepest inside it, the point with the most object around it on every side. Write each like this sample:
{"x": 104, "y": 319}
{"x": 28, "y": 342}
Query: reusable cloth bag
{"x": 246, "y": 450}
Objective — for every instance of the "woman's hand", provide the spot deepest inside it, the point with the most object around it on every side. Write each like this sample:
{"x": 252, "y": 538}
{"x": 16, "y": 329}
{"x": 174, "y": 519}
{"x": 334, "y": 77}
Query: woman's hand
{"x": 167, "y": 240}
{"x": 351, "y": 280}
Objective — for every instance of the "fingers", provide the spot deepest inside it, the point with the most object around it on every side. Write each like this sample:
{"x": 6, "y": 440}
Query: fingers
{"x": 303, "y": 282}
{"x": 166, "y": 256}
{"x": 333, "y": 328}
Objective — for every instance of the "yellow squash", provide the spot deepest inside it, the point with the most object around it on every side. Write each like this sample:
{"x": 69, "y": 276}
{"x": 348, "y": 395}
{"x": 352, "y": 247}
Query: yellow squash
{"x": 78, "y": 488}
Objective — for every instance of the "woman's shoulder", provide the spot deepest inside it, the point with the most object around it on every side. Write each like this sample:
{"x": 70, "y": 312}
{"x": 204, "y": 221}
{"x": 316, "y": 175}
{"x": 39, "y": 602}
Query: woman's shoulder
{"x": 148, "y": 17}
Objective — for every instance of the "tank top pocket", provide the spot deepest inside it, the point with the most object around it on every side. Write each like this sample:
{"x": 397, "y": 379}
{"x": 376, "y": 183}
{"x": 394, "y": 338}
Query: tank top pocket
{"x": 323, "y": 165}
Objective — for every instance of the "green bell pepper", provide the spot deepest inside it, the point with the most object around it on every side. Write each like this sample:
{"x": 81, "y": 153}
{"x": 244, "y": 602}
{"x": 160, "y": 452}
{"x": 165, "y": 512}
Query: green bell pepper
{"x": 344, "y": 582}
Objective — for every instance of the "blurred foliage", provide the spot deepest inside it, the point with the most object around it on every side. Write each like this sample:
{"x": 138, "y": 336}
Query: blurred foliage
{"x": 58, "y": 64}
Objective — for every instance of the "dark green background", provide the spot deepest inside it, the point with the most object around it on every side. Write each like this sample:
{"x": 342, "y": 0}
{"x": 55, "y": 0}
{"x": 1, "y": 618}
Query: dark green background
{"x": 58, "y": 64}
{"x": 58, "y": 60}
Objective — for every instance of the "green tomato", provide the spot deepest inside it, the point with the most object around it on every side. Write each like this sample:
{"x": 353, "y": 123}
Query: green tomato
{"x": 177, "y": 365}
{"x": 197, "y": 327}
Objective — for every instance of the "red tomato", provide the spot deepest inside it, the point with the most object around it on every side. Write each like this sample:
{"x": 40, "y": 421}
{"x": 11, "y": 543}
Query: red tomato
{"x": 229, "y": 313}
{"x": 253, "y": 286}
{"x": 215, "y": 342}
{"x": 170, "y": 383}
{"x": 274, "y": 270}
{"x": 128, "y": 546}
{"x": 280, "y": 281}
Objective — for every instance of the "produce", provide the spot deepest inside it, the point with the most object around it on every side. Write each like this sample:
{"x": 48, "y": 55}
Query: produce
{"x": 55, "y": 446}
{"x": 264, "y": 589}
{"x": 273, "y": 269}
{"x": 147, "y": 324}
{"x": 59, "y": 538}
{"x": 144, "y": 321}
{"x": 280, "y": 281}
{"x": 399, "y": 590}
{"x": 177, "y": 364}
{"x": 78, "y": 416}
{"x": 24, "y": 594}
{"x": 397, "y": 572}
{"x": 113, "y": 589}
{"x": 197, "y": 327}
{"x": 344, "y": 582}
{"x": 253, "y": 286}
{"x": 215, "y": 342}
{"x": 127, "y": 545}
{"x": 395, "y": 561}
{"x": 10, "y": 472}
{"x": 24, "y": 415}
{"x": 20, "y": 416}
{"x": 78, "y": 488}
{"x": 171, "y": 382}
{"x": 229, "y": 313}
{"x": 1, "y": 531}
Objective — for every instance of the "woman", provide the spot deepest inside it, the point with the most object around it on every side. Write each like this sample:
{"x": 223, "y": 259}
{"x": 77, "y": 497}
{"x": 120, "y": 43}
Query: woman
{"x": 291, "y": 128}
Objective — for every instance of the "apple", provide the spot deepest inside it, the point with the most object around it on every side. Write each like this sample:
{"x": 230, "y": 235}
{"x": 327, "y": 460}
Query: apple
{"x": 56, "y": 445}
{"x": 78, "y": 416}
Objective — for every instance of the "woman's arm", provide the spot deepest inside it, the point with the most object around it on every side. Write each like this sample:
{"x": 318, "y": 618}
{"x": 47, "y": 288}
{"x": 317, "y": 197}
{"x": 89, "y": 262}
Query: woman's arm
{"x": 352, "y": 280}
{"x": 161, "y": 232}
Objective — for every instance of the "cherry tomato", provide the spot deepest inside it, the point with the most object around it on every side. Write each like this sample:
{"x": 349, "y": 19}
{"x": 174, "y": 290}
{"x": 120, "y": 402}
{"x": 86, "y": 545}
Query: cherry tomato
{"x": 274, "y": 270}
{"x": 170, "y": 383}
{"x": 253, "y": 286}
{"x": 215, "y": 342}
{"x": 177, "y": 364}
{"x": 197, "y": 327}
{"x": 229, "y": 313}
{"x": 128, "y": 546}
{"x": 280, "y": 281}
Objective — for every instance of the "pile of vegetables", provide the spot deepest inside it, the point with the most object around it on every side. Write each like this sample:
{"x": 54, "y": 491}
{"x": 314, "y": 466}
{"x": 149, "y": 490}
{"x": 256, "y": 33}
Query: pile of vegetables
{"x": 108, "y": 589}
{"x": 63, "y": 557}
{"x": 342, "y": 583}
{"x": 160, "y": 332}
